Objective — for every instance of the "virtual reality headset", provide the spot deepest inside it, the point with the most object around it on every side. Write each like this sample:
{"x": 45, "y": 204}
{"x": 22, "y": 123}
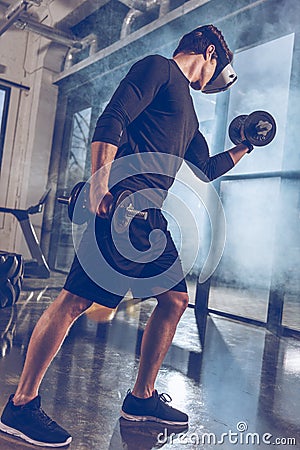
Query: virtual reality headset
{"x": 221, "y": 81}
{"x": 224, "y": 75}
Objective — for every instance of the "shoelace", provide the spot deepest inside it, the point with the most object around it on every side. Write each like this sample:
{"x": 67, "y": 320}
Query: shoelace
{"x": 166, "y": 398}
{"x": 42, "y": 417}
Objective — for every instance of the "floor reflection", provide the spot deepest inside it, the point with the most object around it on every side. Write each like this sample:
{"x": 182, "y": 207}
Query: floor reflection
{"x": 239, "y": 373}
{"x": 146, "y": 436}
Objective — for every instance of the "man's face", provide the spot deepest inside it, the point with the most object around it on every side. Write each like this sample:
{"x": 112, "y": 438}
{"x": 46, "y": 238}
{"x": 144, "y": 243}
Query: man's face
{"x": 206, "y": 73}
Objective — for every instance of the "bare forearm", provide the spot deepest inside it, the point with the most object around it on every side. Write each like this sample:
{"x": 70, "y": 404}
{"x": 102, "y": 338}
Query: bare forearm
{"x": 102, "y": 156}
{"x": 238, "y": 152}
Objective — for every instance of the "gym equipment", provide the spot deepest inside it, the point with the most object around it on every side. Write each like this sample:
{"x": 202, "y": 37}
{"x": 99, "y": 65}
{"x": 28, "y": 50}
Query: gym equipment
{"x": 121, "y": 210}
{"x": 37, "y": 267}
{"x": 8, "y": 331}
{"x": 258, "y": 128}
{"x": 11, "y": 278}
{"x": 81, "y": 202}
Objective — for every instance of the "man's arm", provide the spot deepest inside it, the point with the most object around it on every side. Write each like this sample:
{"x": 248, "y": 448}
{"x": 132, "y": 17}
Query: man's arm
{"x": 102, "y": 156}
{"x": 134, "y": 93}
{"x": 209, "y": 167}
{"x": 238, "y": 152}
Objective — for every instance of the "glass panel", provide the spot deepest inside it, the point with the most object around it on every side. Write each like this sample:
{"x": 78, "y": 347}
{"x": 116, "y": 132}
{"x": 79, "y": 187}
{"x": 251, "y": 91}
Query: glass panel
{"x": 290, "y": 254}
{"x": 242, "y": 281}
{"x": 249, "y": 94}
{"x": 79, "y": 148}
{"x": 263, "y": 84}
{"x": 77, "y": 166}
{"x": 286, "y": 394}
{"x": 188, "y": 218}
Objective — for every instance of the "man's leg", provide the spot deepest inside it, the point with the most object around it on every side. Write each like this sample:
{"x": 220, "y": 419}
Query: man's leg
{"x": 22, "y": 415}
{"x": 47, "y": 338}
{"x": 144, "y": 403}
{"x": 157, "y": 338}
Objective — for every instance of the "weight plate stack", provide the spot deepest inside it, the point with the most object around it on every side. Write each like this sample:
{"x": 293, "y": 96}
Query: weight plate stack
{"x": 11, "y": 278}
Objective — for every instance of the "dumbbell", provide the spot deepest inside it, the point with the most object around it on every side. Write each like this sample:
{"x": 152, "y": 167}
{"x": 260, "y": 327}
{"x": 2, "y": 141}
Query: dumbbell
{"x": 259, "y": 129}
{"x": 121, "y": 210}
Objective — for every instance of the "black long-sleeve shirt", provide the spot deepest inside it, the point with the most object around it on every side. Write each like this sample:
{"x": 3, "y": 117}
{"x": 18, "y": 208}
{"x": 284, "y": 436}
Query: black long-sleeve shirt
{"x": 152, "y": 121}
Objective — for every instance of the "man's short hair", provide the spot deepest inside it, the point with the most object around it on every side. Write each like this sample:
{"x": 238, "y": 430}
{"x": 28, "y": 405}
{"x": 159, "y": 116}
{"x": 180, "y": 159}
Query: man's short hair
{"x": 197, "y": 41}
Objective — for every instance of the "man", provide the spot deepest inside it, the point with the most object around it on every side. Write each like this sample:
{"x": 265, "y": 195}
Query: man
{"x": 151, "y": 115}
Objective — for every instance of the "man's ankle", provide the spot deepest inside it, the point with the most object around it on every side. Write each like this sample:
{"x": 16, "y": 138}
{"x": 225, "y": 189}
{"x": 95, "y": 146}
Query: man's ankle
{"x": 21, "y": 399}
{"x": 142, "y": 394}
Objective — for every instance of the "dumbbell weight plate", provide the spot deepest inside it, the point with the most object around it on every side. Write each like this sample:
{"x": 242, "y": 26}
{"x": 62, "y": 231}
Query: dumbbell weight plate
{"x": 120, "y": 219}
{"x": 79, "y": 197}
{"x": 235, "y": 127}
{"x": 263, "y": 134}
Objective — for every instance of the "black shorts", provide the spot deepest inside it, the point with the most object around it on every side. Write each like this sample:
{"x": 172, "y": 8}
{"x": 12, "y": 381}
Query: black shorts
{"x": 144, "y": 260}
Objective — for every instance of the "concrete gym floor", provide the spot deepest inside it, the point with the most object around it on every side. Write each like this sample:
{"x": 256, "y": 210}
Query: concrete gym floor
{"x": 242, "y": 382}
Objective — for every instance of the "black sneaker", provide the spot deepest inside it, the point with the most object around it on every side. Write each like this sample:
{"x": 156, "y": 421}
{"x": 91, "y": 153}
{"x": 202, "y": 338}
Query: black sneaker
{"x": 154, "y": 409}
{"x": 31, "y": 423}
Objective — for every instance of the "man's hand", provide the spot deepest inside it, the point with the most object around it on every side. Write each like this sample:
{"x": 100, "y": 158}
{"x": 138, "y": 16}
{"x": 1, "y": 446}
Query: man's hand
{"x": 102, "y": 209}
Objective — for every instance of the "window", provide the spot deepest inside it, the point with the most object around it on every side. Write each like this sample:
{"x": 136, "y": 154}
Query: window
{"x": 263, "y": 84}
{"x": 251, "y": 193}
{"x": 79, "y": 148}
{"x": 77, "y": 168}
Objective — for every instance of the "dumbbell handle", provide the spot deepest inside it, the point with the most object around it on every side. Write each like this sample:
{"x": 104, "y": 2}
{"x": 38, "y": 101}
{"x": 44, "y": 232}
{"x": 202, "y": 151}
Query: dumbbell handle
{"x": 64, "y": 200}
{"x": 130, "y": 211}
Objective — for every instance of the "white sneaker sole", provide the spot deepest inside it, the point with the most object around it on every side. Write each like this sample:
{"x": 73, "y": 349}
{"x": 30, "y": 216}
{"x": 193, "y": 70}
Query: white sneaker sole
{"x": 150, "y": 419}
{"x": 19, "y": 434}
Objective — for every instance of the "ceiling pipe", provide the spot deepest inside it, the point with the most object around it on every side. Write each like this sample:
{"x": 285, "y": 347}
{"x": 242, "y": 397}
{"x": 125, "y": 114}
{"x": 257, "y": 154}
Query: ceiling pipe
{"x": 14, "y": 12}
{"x": 90, "y": 41}
{"x": 19, "y": 6}
{"x": 164, "y": 7}
{"x": 48, "y": 32}
{"x": 141, "y": 7}
{"x": 15, "y": 15}
{"x": 14, "y": 9}
{"x": 11, "y": 15}
{"x": 128, "y": 21}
